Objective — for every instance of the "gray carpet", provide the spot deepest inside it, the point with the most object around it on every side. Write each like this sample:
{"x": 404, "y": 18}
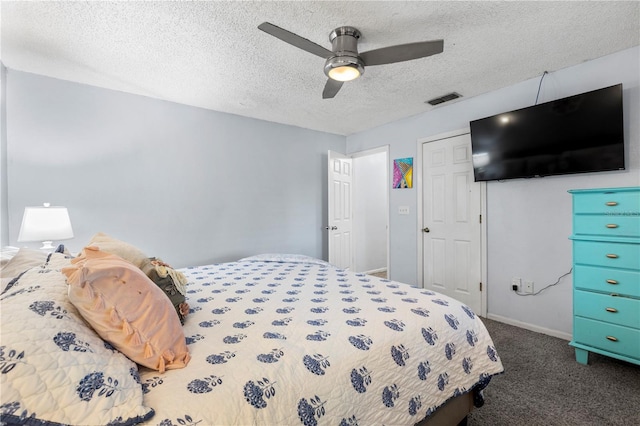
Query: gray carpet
{"x": 544, "y": 385}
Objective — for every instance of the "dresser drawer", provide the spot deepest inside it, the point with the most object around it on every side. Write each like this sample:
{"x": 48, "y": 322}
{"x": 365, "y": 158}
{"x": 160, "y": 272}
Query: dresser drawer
{"x": 609, "y": 337}
{"x": 614, "y": 309}
{"x": 621, "y": 203}
{"x": 607, "y": 225}
{"x": 607, "y": 280}
{"x": 611, "y": 255}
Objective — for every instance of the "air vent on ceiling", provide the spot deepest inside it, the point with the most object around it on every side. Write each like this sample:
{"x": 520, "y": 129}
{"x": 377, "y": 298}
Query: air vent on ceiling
{"x": 448, "y": 97}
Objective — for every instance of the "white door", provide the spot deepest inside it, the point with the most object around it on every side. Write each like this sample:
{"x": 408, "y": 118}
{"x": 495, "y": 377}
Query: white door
{"x": 452, "y": 231}
{"x": 340, "y": 211}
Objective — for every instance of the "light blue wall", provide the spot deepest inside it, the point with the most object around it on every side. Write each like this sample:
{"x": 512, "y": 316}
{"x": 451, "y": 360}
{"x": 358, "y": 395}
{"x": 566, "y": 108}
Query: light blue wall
{"x": 194, "y": 186}
{"x": 189, "y": 185}
{"x": 529, "y": 221}
{"x": 4, "y": 226}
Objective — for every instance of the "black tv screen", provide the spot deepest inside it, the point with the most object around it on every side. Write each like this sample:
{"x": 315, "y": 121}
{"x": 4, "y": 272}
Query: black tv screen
{"x": 577, "y": 134}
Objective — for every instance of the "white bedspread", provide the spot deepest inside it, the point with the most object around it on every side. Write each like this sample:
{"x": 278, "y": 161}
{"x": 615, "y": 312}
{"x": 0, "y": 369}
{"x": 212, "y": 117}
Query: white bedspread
{"x": 279, "y": 343}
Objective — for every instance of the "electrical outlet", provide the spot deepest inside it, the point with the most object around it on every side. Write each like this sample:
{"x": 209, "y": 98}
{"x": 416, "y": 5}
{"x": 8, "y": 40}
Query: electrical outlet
{"x": 515, "y": 283}
{"x": 528, "y": 287}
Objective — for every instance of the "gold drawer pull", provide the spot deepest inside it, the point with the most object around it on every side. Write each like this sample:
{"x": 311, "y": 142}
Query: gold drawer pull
{"x": 613, "y": 339}
{"x": 613, "y": 310}
{"x": 612, "y": 282}
{"x": 611, "y": 203}
{"x": 612, "y": 256}
{"x": 612, "y": 225}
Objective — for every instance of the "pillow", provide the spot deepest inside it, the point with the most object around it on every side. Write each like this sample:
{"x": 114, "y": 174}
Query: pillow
{"x": 127, "y": 309}
{"x": 119, "y": 248}
{"x": 54, "y": 367}
{"x": 170, "y": 281}
{"x": 6, "y": 254}
{"x": 23, "y": 260}
{"x": 288, "y": 258}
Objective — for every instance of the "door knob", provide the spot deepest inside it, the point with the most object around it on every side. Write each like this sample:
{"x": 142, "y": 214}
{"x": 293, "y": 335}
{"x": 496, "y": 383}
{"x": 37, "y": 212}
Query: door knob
{"x": 425, "y": 230}
{"x": 332, "y": 228}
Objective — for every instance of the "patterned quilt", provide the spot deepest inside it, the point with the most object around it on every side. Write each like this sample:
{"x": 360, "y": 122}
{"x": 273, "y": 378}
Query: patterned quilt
{"x": 297, "y": 341}
{"x": 274, "y": 340}
{"x": 54, "y": 368}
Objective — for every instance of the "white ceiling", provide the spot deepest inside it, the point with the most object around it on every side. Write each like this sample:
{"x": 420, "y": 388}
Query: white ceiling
{"x": 211, "y": 54}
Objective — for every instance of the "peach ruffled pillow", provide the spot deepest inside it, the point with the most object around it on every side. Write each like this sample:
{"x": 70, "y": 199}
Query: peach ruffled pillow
{"x": 127, "y": 309}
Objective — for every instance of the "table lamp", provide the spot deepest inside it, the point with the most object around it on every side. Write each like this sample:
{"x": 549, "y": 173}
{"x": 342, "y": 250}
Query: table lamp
{"x": 45, "y": 224}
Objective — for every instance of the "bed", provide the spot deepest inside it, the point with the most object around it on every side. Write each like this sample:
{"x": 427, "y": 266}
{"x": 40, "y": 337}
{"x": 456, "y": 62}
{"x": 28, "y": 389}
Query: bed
{"x": 271, "y": 339}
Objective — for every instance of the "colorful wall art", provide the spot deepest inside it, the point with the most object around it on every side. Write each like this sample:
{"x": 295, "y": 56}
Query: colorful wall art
{"x": 403, "y": 173}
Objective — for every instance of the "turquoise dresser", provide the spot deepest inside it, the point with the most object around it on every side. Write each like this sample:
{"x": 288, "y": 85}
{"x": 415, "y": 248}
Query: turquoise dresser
{"x": 606, "y": 273}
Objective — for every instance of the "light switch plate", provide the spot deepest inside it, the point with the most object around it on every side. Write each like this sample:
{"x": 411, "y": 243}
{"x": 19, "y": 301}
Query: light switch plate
{"x": 403, "y": 210}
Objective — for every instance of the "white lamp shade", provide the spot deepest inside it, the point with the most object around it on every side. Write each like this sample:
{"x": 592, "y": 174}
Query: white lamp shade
{"x": 45, "y": 224}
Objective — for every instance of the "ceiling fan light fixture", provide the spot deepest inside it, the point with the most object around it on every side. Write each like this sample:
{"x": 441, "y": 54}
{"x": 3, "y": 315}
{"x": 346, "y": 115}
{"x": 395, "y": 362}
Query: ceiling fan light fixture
{"x": 343, "y": 62}
{"x": 344, "y": 73}
{"x": 344, "y": 68}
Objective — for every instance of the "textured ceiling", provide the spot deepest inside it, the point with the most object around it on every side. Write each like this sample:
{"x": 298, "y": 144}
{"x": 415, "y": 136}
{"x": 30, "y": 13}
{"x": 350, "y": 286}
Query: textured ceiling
{"x": 211, "y": 54}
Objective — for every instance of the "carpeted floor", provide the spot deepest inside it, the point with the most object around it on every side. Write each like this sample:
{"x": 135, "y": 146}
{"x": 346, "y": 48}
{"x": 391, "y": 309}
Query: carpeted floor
{"x": 543, "y": 385}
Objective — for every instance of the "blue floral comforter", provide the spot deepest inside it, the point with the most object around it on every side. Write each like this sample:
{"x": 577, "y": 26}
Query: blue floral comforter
{"x": 281, "y": 342}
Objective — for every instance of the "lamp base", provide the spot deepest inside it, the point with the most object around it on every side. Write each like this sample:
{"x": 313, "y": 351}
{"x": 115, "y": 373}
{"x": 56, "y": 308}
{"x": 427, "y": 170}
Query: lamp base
{"x": 47, "y": 245}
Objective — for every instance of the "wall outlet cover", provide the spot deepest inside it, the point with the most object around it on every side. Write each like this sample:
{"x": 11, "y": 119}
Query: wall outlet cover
{"x": 528, "y": 287}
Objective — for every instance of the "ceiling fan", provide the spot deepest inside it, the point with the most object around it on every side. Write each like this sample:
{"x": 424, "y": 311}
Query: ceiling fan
{"x": 343, "y": 62}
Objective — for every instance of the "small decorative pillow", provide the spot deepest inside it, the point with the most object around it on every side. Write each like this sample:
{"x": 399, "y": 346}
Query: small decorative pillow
{"x": 171, "y": 282}
{"x": 55, "y": 368}
{"x": 127, "y": 309}
{"x": 119, "y": 248}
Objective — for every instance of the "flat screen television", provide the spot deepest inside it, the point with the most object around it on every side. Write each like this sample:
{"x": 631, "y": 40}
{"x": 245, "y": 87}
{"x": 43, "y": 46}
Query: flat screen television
{"x": 577, "y": 134}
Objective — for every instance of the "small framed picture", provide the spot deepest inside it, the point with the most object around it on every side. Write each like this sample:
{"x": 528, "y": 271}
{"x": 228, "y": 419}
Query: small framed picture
{"x": 403, "y": 173}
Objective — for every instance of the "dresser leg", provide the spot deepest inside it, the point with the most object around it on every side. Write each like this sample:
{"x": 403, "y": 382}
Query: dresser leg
{"x": 582, "y": 356}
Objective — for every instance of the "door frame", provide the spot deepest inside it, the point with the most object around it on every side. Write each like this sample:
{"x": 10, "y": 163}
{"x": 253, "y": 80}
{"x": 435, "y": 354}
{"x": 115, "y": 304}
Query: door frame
{"x": 417, "y": 177}
{"x": 364, "y": 153}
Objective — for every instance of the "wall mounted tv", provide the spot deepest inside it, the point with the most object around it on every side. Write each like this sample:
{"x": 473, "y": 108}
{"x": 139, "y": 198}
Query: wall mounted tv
{"x": 577, "y": 134}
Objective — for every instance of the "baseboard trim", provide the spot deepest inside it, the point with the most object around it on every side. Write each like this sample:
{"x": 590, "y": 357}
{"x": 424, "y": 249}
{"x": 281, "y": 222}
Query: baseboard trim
{"x": 375, "y": 271}
{"x": 531, "y": 327}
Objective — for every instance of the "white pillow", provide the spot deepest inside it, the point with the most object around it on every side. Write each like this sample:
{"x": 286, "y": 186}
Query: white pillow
{"x": 6, "y": 254}
{"x": 22, "y": 260}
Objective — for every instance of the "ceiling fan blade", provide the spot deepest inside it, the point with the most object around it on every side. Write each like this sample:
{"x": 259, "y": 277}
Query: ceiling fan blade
{"x": 295, "y": 40}
{"x": 331, "y": 88}
{"x": 402, "y": 52}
